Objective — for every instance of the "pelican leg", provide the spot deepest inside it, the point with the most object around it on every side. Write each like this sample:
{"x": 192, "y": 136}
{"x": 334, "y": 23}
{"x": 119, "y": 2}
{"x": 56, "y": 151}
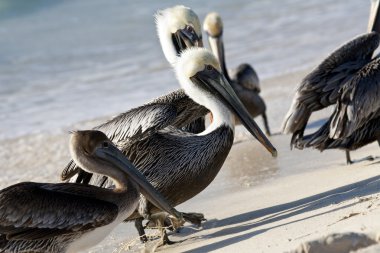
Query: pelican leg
{"x": 266, "y": 125}
{"x": 159, "y": 220}
{"x": 349, "y": 161}
{"x": 348, "y": 158}
{"x": 140, "y": 229}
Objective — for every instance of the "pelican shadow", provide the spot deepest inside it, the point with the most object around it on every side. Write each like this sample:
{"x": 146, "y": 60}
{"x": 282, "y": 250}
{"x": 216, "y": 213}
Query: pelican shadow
{"x": 284, "y": 211}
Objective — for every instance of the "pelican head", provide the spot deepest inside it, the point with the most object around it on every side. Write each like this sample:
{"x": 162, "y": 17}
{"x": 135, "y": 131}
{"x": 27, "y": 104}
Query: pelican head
{"x": 95, "y": 153}
{"x": 213, "y": 26}
{"x": 178, "y": 28}
{"x": 200, "y": 75}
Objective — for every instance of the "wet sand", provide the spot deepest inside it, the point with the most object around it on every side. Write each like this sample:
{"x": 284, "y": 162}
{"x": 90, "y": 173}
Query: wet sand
{"x": 256, "y": 203}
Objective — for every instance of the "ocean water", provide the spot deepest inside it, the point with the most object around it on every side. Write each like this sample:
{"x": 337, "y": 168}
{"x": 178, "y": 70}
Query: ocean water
{"x": 62, "y": 62}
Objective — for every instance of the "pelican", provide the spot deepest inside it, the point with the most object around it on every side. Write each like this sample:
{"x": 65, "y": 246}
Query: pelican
{"x": 177, "y": 27}
{"x": 244, "y": 79}
{"x": 336, "y": 81}
{"x": 180, "y": 164}
{"x": 68, "y": 217}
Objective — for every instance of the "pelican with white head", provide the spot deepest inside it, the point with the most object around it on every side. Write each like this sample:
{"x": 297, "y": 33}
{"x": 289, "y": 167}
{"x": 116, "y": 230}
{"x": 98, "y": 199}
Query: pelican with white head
{"x": 178, "y": 28}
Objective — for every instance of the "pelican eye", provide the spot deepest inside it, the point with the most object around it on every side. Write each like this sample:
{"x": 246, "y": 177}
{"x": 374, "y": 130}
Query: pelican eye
{"x": 189, "y": 28}
{"x": 105, "y": 144}
{"x": 209, "y": 67}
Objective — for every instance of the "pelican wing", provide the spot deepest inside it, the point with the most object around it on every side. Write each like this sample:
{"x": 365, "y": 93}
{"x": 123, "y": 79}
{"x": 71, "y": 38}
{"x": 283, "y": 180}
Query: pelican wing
{"x": 174, "y": 109}
{"x": 245, "y": 76}
{"x": 320, "y": 88}
{"x": 359, "y": 101}
{"x": 33, "y": 211}
{"x": 320, "y": 139}
{"x": 139, "y": 122}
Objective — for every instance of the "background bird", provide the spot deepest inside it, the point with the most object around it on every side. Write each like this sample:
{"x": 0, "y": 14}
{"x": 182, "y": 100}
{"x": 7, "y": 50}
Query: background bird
{"x": 243, "y": 79}
{"x": 347, "y": 78}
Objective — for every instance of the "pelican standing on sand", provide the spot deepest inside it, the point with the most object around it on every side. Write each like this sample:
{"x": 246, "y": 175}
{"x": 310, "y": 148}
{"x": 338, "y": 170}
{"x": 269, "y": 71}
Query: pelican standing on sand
{"x": 180, "y": 164}
{"x": 348, "y": 74}
{"x": 67, "y": 217}
{"x": 244, "y": 79}
{"x": 178, "y": 27}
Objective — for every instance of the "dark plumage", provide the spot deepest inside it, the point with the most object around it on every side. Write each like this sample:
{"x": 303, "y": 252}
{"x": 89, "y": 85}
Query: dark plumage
{"x": 174, "y": 109}
{"x": 321, "y": 87}
{"x": 355, "y": 121}
{"x": 67, "y": 217}
{"x": 320, "y": 140}
{"x": 358, "y": 102}
{"x": 37, "y": 217}
{"x": 245, "y": 76}
{"x": 348, "y": 78}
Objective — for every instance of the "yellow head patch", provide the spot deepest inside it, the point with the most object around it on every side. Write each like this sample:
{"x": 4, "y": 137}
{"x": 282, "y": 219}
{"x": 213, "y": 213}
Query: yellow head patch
{"x": 194, "y": 60}
{"x": 178, "y": 17}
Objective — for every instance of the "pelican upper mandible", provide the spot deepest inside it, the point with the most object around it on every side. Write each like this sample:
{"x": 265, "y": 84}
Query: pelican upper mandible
{"x": 244, "y": 79}
{"x": 180, "y": 164}
{"x": 337, "y": 80}
{"x": 67, "y": 217}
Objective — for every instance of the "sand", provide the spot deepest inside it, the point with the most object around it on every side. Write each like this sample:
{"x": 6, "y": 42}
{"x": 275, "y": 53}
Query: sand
{"x": 302, "y": 201}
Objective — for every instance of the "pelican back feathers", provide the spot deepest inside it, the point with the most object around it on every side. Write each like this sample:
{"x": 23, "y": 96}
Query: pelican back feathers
{"x": 320, "y": 88}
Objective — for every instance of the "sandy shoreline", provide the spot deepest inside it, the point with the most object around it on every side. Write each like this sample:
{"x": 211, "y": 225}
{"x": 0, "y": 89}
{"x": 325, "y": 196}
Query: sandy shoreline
{"x": 282, "y": 213}
{"x": 256, "y": 203}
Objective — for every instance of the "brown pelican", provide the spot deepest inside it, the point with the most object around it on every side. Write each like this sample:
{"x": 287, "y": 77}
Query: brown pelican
{"x": 180, "y": 164}
{"x": 244, "y": 79}
{"x": 178, "y": 28}
{"x": 336, "y": 81}
{"x": 67, "y": 217}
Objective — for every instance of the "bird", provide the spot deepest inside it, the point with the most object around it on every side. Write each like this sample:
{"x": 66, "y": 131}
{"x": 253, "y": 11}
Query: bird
{"x": 69, "y": 217}
{"x": 335, "y": 81}
{"x": 180, "y": 164}
{"x": 243, "y": 79}
{"x": 177, "y": 27}
{"x": 179, "y": 110}
{"x": 354, "y": 122}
